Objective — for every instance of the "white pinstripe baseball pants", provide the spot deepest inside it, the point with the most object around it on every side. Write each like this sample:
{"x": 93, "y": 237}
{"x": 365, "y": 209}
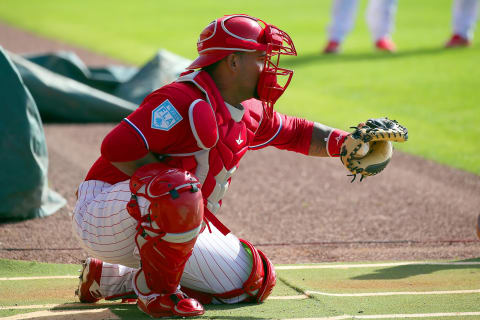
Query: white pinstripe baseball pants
{"x": 380, "y": 16}
{"x": 106, "y": 230}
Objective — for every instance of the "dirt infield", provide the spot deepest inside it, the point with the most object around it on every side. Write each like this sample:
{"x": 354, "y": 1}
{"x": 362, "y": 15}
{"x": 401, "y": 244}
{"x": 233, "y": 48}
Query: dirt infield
{"x": 296, "y": 208}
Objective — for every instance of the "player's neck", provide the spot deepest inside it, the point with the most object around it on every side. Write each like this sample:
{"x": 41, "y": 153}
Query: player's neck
{"x": 227, "y": 87}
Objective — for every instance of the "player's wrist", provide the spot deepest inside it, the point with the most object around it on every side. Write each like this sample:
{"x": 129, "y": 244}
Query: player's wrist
{"x": 334, "y": 142}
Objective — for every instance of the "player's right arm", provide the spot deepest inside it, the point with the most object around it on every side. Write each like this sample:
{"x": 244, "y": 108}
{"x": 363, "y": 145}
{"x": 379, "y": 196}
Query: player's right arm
{"x": 138, "y": 139}
{"x": 129, "y": 167}
{"x": 123, "y": 148}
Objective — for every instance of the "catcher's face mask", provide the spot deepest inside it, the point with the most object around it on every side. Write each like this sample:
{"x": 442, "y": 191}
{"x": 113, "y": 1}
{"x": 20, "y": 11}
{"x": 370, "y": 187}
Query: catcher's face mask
{"x": 240, "y": 32}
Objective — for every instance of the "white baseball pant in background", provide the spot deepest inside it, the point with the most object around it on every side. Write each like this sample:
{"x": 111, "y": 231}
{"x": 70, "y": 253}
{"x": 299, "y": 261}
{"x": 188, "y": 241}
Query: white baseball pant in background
{"x": 464, "y": 17}
{"x": 380, "y": 16}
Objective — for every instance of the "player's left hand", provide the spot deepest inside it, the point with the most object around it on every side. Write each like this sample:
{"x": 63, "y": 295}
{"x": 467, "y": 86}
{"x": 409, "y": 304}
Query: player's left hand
{"x": 368, "y": 149}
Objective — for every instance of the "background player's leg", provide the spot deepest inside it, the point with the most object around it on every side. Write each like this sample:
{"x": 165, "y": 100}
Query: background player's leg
{"x": 380, "y": 16}
{"x": 343, "y": 17}
{"x": 464, "y": 17}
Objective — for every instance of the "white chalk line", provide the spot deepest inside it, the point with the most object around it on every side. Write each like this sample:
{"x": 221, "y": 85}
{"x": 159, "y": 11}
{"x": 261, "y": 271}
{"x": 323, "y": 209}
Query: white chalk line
{"x": 72, "y": 306}
{"x": 376, "y": 265}
{"x": 398, "y": 293}
{"x": 91, "y": 314}
{"x": 298, "y": 297}
{"x": 395, "y": 316}
{"x": 307, "y": 295}
{"x": 342, "y": 317}
{"x": 37, "y": 278}
{"x": 295, "y": 267}
{"x": 81, "y": 305}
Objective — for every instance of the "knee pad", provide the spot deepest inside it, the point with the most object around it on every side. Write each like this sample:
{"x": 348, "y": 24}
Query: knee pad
{"x": 167, "y": 233}
{"x": 176, "y": 202}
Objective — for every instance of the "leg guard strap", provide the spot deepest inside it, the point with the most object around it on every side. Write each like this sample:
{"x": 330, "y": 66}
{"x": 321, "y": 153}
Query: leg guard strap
{"x": 163, "y": 262}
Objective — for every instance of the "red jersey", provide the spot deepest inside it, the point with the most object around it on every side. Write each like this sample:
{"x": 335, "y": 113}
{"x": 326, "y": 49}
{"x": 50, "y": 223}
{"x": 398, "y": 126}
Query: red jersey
{"x": 188, "y": 125}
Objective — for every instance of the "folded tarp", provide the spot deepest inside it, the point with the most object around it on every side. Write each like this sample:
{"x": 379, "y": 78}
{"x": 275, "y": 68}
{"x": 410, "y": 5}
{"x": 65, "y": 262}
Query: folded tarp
{"x": 23, "y": 152}
{"x": 66, "y": 90}
{"x": 68, "y": 64}
{"x": 163, "y": 68}
{"x": 59, "y": 87}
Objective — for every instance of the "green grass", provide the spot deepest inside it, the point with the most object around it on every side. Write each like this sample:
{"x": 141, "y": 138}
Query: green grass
{"x": 404, "y": 278}
{"x": 434, "y": 92}
{"x": 13, "y": 268}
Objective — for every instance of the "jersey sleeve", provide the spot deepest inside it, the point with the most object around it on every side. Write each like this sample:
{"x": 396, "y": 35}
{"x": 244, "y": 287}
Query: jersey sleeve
{"x": 123, "y": 144}
{"x": 159, "y": 125}
{"x": 284, "y": 132}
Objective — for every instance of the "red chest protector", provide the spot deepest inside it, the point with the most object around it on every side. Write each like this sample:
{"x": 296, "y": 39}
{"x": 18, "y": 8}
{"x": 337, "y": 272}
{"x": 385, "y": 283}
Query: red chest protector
{"x": 222, "y": 141}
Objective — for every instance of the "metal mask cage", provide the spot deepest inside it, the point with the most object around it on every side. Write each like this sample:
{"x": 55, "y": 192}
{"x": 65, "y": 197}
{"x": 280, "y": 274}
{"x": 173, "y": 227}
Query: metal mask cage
{"x": 279, "y": 41}
{"x": 275, "y": 79}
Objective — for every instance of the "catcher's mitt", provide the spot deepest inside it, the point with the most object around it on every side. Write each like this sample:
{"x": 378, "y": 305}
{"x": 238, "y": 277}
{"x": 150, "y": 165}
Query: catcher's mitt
{"x": 368, "y": 149}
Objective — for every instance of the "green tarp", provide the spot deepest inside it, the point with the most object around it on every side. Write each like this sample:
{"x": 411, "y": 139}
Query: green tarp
{"x": 66, "y": 90}
{"x": 23, "y": 153}
{"x": 59, "y": 87}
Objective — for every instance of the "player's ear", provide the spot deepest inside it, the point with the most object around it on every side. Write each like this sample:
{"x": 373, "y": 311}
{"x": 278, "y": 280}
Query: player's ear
{"x": 233, "y": 62}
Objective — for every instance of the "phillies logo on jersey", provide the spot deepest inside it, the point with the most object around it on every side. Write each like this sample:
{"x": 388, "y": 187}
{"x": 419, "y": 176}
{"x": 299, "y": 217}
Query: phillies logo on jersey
{"x": 165, "y": 116}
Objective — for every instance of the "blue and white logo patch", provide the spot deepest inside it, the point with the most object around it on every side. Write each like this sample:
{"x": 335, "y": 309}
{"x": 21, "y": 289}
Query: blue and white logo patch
{"x": 165, "y": 116}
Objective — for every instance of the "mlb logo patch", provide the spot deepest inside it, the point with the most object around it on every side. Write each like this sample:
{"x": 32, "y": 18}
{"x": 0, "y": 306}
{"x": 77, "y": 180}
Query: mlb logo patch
{"x": 165, "y": 116}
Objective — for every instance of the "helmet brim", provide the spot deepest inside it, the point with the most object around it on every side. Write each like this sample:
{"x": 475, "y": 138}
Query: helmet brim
{"x": 208, "y": 59}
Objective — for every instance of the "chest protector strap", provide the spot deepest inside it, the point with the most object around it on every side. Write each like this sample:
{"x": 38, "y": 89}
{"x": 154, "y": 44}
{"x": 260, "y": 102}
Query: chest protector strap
{"x": 205, "y": 84}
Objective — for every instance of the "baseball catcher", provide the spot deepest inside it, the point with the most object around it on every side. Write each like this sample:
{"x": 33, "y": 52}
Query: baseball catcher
{"x": 146, "y": 212}
{"x": 368, "y": 149}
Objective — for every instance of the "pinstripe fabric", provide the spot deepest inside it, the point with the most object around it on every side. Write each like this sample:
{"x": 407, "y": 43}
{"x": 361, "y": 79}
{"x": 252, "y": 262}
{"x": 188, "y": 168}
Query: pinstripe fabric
{"x": 102, "y": 223}
{"x": 218, "y": 264}
{"x": 116, "y": 279}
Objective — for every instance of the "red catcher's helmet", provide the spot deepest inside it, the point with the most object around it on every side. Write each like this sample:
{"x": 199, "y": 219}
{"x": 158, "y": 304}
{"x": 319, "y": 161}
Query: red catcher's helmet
{"x": 233, "y": 33}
